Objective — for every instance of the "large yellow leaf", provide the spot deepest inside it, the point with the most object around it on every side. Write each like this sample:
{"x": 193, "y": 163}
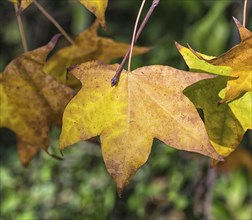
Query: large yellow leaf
{"x": 31, "y": 101}
{"x": 148, "y": 103}
{"x": 98, "y": 8}
{"x": 235, "y": 63}
{"x": 87, "y": 46}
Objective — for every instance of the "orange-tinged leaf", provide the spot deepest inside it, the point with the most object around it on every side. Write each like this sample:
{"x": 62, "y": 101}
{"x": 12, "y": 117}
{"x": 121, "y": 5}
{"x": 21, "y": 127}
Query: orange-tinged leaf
{"x": 87, "y": 46}
{"x": 98, "y": 8}
{"x": 239, "y": 59}
{"x": 31, "y": 101}
{"x": 148, "y": 103}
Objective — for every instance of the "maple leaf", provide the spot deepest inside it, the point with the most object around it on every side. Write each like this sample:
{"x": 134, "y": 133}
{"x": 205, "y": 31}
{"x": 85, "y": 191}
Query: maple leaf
{"x": 235, "y": 63}
{"x": 98, "y": 8}
{"x": 87, "y": 46}
{"x": 31, "y": 101}
{"x": 147, "y": 103}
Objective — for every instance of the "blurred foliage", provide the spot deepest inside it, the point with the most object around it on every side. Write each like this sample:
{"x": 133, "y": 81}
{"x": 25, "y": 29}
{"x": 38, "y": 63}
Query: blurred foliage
{"x": 173, "y": 184}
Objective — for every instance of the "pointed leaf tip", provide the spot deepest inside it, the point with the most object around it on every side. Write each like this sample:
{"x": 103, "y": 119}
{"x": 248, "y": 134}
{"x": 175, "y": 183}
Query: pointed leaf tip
{"x": 178, "y": 45}
{"x": 54, "y": 39}
{"x": 237, "y": 22}
{"x": 243, "y": 31}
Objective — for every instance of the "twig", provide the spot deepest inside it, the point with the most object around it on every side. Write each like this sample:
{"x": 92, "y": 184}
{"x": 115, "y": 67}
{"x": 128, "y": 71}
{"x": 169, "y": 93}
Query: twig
{"x": 134, "y": 34}
{"x": 56, "y": 24}
{"x": 115, "y": 79}
{"x": 244, "y": 12}
{"x": 21, "y": 29}
{"x": 211, "y": 177}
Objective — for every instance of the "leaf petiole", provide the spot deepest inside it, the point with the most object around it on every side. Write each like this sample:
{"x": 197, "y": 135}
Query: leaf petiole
{"x": 56, "y": 24}
{"x": 21, "y": 29}
{"x": 134, "y": 34}
{"x": 115, "y": 79}
{"x": 244, "y": 12}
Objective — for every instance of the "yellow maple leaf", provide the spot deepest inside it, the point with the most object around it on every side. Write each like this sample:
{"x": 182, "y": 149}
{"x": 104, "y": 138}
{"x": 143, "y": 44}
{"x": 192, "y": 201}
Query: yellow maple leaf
{"x": 31, "y": 101}
{"x": 87, "y": 46}
{"x": 148, "y": 103}
{"x": 98, "y": 8}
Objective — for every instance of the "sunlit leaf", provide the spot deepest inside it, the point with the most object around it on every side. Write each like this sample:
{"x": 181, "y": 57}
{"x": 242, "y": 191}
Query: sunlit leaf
{"x": 148, "y": 103}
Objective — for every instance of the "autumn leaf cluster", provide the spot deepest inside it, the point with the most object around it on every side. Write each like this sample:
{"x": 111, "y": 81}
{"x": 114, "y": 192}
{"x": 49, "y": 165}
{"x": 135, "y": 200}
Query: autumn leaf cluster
{"x": 149, "y": 102}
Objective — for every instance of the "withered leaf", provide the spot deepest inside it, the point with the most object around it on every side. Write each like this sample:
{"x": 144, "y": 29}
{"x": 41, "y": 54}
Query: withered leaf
{"x": 31, "y": 101}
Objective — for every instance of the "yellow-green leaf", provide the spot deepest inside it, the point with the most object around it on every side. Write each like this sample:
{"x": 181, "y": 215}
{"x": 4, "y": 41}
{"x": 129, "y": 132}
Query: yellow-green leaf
{"x": 98, "y": 8}
{"x": 31, "y": 101}
{"x": 199, "y": 62}
{"x": 87, "y": 46}
{"x": 148, "y": 103}
{"x": 242, "y": 109}
{"x": 225, "y": 123}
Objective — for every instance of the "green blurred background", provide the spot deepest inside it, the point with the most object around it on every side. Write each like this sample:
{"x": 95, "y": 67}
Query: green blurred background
{"x": 173, "y": 184}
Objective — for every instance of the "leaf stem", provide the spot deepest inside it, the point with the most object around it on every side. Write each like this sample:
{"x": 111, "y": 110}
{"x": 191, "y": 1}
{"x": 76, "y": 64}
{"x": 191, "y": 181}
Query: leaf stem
{"x": 244, "y": 12}
{"x": 21, "y": 29}
{"x": 56, "y": 24}
{"x": 115, "y": 79}
{"x": 134, "y": 34}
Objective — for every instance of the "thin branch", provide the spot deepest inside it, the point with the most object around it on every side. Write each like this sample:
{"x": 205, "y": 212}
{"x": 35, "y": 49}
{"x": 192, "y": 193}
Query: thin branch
{"x": 115, "y": 79}
{"x": 56, "y": 24}
{"x": 244, "y": 12}
{"x": 21, "y": 29}
{"x": 207, "y": 205}
{"x": 134, "y": 34}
